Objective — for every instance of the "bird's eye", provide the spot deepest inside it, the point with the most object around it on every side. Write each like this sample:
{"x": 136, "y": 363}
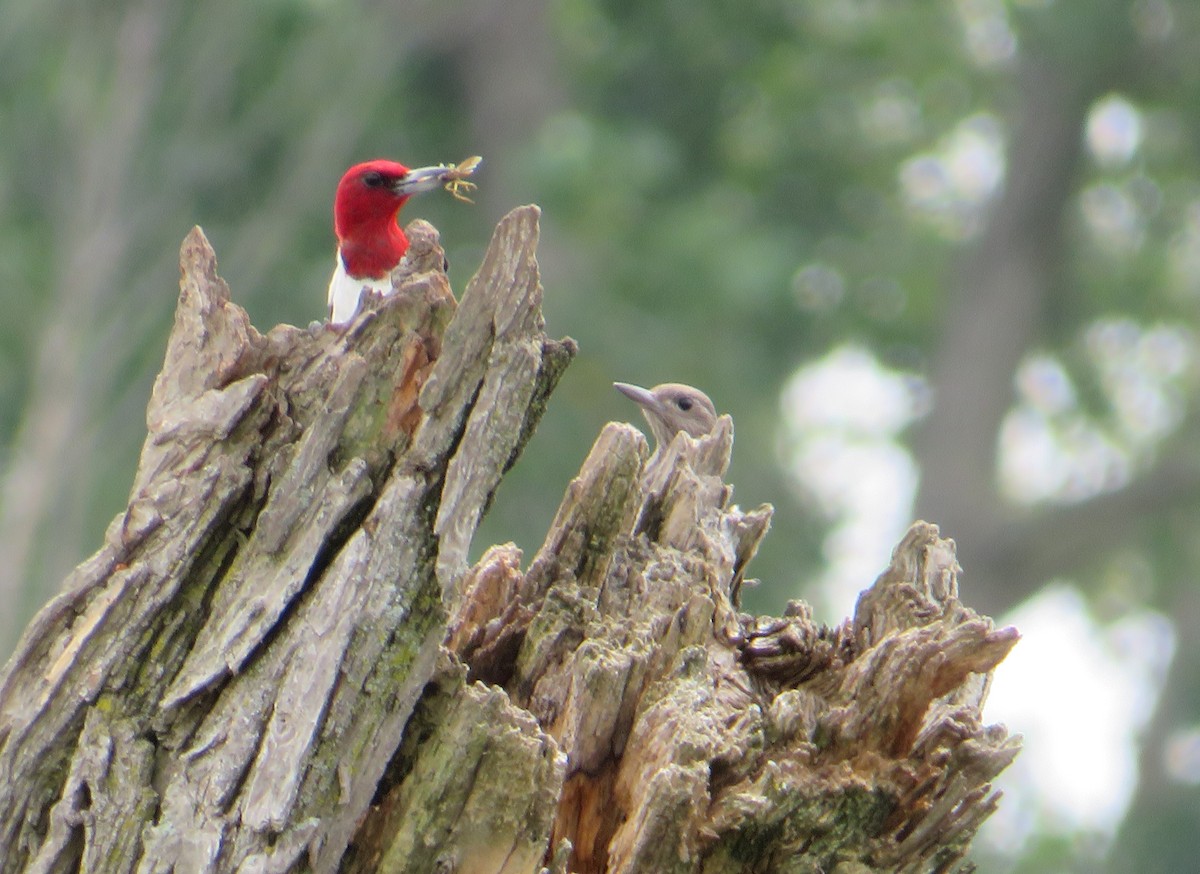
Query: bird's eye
{"x": 373, "y": 179}
{"x": 684, "y": 404}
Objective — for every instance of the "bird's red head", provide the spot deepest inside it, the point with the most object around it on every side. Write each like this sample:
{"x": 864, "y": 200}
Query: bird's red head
{"x": 364, "y": 213}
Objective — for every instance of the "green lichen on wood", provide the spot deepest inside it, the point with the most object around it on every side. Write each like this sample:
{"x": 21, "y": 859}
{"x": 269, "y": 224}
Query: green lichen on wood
{"x": 795, "y": 829}
{"x": 247, "y": 676}
{"x": 371, "y": 431}
{"x": 557, "y": 628}
{"x": 466, "y": 751}
{"x": 262, "y": 619}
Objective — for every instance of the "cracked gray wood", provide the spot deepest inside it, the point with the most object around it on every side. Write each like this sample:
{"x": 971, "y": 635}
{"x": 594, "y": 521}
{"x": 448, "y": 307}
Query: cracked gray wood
{"x": 700, "y": 739}
{"x": 274, "y": 574}
{"x": 279, "y": 660}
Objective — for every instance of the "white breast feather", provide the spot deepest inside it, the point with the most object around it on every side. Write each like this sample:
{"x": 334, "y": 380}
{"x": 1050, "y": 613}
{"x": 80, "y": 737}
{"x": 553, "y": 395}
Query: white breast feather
{"x": 345, "y": 292}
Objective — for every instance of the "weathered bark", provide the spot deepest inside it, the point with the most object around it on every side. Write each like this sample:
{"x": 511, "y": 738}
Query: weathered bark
{"x": 281, "y": 661}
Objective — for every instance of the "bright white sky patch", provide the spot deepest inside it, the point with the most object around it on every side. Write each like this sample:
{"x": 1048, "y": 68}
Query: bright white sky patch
{"x": 1141, "y": 369}
{"x": 842, "y": 416}
{"x": 1114, "y": 130}
{"x": 1064, "y": 458}
{"x": 1045, "y": 385}
{"x": 849, "y": 390}
{"x": 1052, "y": 449}
{"x": 950, "y": 185}
{"x": 1079, "y": 692}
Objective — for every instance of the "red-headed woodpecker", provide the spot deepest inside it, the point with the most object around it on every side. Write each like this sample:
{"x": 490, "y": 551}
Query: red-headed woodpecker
{"x": 370, "y": 241}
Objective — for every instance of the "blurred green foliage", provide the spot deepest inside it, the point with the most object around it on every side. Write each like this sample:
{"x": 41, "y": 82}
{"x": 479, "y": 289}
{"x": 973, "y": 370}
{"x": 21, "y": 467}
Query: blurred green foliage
{"x": 730, "y": 191}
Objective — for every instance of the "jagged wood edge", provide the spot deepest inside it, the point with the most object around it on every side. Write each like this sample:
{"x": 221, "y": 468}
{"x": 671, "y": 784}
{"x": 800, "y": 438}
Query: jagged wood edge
{"x": 95, "y": 665}
{"x": 698, "y": 739}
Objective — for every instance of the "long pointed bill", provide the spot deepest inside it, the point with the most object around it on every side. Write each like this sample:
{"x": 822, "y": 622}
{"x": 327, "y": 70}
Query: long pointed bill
{"x": 420, "y": 180}
{"x": 640, "y": 396}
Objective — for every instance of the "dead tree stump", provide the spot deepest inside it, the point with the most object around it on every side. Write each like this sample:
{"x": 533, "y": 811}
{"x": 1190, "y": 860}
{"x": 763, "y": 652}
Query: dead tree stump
{"x": 280, "y": 661}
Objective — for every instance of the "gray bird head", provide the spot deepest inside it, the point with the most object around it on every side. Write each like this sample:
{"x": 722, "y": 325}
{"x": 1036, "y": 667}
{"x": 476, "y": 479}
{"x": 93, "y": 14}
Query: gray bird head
{"x": 671, "y": 408}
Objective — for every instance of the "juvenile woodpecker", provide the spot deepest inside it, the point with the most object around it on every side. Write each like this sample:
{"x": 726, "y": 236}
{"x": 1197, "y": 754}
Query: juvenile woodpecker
{"x": 671, "y": 408}
{"x": 370, "y": 241}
